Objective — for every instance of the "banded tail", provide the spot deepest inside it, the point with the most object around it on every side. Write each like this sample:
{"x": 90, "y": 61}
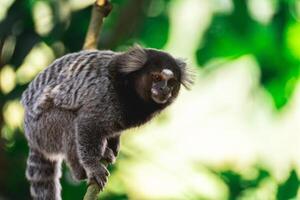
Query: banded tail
{"x": 43, "y": 175}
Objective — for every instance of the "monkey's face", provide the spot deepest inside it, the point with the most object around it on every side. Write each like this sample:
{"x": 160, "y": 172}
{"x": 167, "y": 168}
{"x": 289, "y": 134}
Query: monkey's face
{"x": 164, "y": 86}
{"x": 160, "y": 85}
{"x": 155, "y": 75}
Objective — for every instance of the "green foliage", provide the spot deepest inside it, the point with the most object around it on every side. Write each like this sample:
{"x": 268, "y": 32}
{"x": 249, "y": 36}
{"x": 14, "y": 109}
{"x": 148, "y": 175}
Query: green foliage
{"x": 237, "y": 184}
{"x": 158, "y": 29}
{"x": 12, "y": 165}
{"x": 237, "y": 33}
{"x": 289, "y": 188}
{"x": 112, "y": 196}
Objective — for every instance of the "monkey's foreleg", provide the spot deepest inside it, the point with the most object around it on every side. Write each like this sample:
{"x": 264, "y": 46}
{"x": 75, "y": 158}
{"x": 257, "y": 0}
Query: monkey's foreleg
{"x": 43, "y": 175}
{"x": 91, "y": 145}
{"x": 73, "y": 161}
{"x": 112, "y": 149}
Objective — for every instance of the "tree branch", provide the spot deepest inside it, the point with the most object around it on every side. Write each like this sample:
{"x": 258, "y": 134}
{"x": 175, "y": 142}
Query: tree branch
{"x": 93, "y": 189}
{"x": 101, "y": 9}
{"x": 92, "y": 192}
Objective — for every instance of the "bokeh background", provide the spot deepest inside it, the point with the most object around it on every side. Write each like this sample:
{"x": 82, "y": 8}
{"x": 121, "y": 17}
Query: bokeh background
{"x": 235, "y": 135}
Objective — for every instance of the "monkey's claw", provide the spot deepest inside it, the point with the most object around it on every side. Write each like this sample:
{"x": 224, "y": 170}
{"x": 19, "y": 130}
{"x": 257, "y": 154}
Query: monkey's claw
{"x": 100, "y": 176}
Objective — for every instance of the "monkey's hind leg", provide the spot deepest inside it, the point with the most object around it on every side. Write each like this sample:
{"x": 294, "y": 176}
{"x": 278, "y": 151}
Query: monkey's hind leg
{"x": 43, "y": 175}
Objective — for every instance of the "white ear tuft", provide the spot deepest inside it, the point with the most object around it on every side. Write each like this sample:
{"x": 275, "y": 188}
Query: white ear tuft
{"x": 187, "y": 74}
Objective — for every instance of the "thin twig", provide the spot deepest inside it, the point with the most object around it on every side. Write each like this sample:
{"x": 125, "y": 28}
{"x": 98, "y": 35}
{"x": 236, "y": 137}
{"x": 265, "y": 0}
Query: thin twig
{"x": 101, "y": 9}
{"x": 93, "y": 189}
{"x": 92, "y": 192}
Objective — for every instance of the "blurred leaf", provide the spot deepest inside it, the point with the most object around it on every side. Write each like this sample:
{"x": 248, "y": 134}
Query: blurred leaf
{"x": 14, "y": 177}
{"x": 19, "y": 23}
{"x": 235, "y": 34}
{"x": 113, "y": 196}
{"x": 289, "y": 188}
{"x": 74, "y": 36}
{"x": 237, "y": 184}
{"x": 155, "y": 31}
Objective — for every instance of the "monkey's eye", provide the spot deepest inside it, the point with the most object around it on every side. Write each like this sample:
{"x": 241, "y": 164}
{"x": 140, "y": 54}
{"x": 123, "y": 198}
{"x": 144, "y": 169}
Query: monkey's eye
{"x": 156, "y": 77}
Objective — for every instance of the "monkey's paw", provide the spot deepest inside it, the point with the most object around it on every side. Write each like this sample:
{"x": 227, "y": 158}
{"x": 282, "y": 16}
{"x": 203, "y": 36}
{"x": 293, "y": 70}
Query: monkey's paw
{"x": 109, "y": 156}
{"x": 99, "y": 175}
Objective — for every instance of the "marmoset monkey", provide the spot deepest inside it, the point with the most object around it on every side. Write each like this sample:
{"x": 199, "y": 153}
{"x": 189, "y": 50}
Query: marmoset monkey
{"x": 77, "y": 107}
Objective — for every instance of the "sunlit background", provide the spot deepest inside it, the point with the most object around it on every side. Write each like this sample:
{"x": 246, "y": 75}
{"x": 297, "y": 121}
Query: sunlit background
{"x": 235, "y": 135}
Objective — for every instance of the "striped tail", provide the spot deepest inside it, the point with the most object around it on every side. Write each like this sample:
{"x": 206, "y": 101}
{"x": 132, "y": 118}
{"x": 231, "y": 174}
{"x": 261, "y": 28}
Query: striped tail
{"x": 43, "y": 175}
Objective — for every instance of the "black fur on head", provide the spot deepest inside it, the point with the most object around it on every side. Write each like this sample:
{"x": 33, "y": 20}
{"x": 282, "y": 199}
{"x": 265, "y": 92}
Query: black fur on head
{"x": 132, "y": 60}
{"x": 148, "y": 80}
{"x": 137, "y": 58}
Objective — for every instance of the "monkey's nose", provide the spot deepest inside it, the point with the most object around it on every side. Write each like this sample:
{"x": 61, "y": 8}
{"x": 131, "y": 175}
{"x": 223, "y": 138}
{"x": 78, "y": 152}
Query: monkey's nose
{"x": 161, "y": 89}
{"x": 164, "y": 90}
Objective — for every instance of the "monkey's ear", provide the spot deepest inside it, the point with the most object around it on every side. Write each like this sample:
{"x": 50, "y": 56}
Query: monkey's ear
{"x": 132, "y": 60}
{"x": 187, "y": 74}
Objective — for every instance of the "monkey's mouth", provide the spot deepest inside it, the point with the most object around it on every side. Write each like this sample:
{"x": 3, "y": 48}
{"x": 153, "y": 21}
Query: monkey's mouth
{"x": 160, "y": 97}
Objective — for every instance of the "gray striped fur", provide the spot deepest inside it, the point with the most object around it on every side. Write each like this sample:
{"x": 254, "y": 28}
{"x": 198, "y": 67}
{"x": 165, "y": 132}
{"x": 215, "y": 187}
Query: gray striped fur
{"x": 44, "y": 176}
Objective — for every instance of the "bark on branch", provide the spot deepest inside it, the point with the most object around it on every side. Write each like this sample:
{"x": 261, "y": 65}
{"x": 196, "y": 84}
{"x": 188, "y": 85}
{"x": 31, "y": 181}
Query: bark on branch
{"x": 92, "y": 192}
{"x": 100, "y": 10}
{"x": 93, "y": 189}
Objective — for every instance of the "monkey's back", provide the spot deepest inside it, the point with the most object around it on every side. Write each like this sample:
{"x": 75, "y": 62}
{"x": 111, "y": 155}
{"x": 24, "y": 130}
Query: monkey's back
{"x": 68, "y": 82}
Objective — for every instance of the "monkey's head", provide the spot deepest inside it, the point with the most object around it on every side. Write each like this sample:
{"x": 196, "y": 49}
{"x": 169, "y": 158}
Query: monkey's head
{"x": 155, "y": 75}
